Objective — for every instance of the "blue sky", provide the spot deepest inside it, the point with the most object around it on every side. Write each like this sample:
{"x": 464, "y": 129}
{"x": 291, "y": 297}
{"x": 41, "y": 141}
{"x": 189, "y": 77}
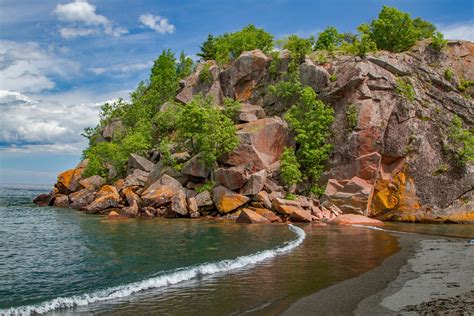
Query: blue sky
{"x": 59, "y": 60}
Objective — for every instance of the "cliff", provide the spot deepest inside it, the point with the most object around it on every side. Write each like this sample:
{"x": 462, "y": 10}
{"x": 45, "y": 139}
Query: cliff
{"x": 392, "y": 157}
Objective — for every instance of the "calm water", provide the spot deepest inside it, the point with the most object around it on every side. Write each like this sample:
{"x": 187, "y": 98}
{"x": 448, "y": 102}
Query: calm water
{"x": 62, "y": 261}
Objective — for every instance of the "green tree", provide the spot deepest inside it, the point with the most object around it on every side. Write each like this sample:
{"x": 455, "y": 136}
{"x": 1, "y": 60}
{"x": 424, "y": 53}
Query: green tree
{"x": 290, "y": 168}
{"x": 438, "y": 43}
{"x": 424, "y": 29}
{"x": 164, "y": 79}
{"x": 329, "y": 39}
{"x": 297, "y": 46}
{"x": 461, "y": 142}
{"x": 185, "y": 66}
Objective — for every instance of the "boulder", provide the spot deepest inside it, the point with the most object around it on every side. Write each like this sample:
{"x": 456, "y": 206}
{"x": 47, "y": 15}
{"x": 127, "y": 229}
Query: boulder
{"x": 93, "y": 182}
{"x": 255, "y": 184}
{"x": 227, "y": 200}
{"x": 204, "y": 199}
{"x": 365, "y": 167}
{"x": 249, "y": 112}
{"x": 105, "y": 198}
{"x": 315, "y": 76}
{"x": 161, "y": 191}
{"x": 352, "y": 219}
{"x": 232, "y": 178}
{"x": 178, "y": 203}
{"x": 161, "y": 169}
{"x": 351, "y": 196}
{"x": 263, "y": 198}
{"x": 68, "y": 181}
{"x": 82, "y": 198}
{"x": 192, "y": 205}
{"x": 43, "y": 199}
{"x": 243, "y": 75}
{"x": 250, "y": 217}
{"x": 137, "y": 178}
{"x": 112, "y": 129}
{"x": 192, "y": 85}
{"x": 114, "y": 215}
{"x": 272, "y": 217}
{"x": 138, "y": 162}
{"x": 196, "y": 167}
{"x": 181, "y": 157}
{"x": 285, "y": 207}
{"x": 61, "y": 200}
{"x": 261, "y": 144}
{"x": 131, "y": 197}
{"x": 301, "y": 216}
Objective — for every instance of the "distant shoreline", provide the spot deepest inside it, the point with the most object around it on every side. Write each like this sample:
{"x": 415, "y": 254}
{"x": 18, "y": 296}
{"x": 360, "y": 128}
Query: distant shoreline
{"x": 382, "y": 290}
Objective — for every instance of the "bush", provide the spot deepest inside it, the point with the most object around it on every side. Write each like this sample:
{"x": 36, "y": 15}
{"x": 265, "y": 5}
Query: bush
{"x": 362, "y": 45}
{"x": 395, "y": 31}
{"x": 185, "y": 66}
{"x": 290, "y": 168}
{"x": 329, "y": 39}
{"x": 438, "y": 43}
{"x": 226, "y": 47}
{"x": 297, "y": 46}
{"x": 164, "y": 81}
{"x": 231, "y": 108}
{"x": 165, "y": 121}
{"x": 205, "y": 75}
{"x": 204, "y": 129}
{"x": 464, "y": 85}
{"x": 311, "y": 119}
{"x": 405, "y": 89}
{"x": 351, "y": 117}
{"x": 461, "y": 141}
{"x": 448, "y": 74}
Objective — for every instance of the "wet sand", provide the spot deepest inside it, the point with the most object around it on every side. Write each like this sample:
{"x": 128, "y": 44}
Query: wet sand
{"x": 430, "y": 274}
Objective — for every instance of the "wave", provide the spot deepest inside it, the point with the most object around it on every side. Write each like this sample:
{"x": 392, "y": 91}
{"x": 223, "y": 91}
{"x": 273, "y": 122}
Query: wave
{"x": 381, "y": 229}
{"x": 170, "y": 278}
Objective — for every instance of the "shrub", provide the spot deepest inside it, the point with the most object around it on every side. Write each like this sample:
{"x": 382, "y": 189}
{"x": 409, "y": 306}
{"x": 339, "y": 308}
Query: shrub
{"x": 332, "y": 78}
{"x": 185, "y": 66}
{"x": 165, "y": 121}
{"x": 328, "y": 40}
{"x": 290, "y": 196}
{"x": 351, "y": 117}
{"x": 461, "y": 142}
{"x": 226, "y": 47}
{"x": 448, "y": 74}
{"x": 207, "y": 186}
{"x": 311, "y": 119}
{"x": 362, "y": 45}
{"x": 290, "y": 168}
{"x": 405, "y": 89}
{"x": 205, "y": 75}
{"x": 297, "y": 46}
{"x": 464, "y": 85}
{"x": 231, "y": 108}
{"x": 438, "y": 42}
{"x": 206, "y": 130}
{"x": 395, "y": 31}
{"x": 164, "y": 79}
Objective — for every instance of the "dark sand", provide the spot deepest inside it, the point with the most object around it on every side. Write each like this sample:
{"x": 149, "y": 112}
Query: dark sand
{"x": 430, "y": 274}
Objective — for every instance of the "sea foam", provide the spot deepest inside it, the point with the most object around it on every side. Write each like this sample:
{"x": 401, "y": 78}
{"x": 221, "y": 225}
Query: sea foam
{"x": 169, "y": 278}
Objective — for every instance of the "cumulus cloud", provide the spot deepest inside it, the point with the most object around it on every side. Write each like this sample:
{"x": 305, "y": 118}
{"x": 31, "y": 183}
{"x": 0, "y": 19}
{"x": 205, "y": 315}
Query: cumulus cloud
{"x": 121, "y": 68}
{"x": 81, "y": 13}
{"x": 458, "y": 31}
{"x": 45, "y": 125}
{"x": 27, "y": 67}
{"x": 157, "y": 23}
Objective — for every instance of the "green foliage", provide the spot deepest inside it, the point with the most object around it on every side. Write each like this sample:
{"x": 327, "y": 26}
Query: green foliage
{"x": 448, "y": 74}
{"x": 317, "y": 190}
{"x": 290, "y": 168}
{"x": 205, "y": 75}
{"x": 226, "y": 47}
{"x": 438, "y": 42}
{"x": 273, "y": 68}
{"x": 311, "y": 119}
{"x": 165, "y": 121}
{"x": 206, "y": 130}
{"x": 351, "y": 117}
{"x": 441, "y": 170}
{"x": 332, "y": 78}
{"x": 362, "y": 45}
{"x": 461, "y": 141}
{"x": 329, "y": 39}
{"x": 185, "y": 66}
{"x": 405, "y": 89}
{"x": 165, "y": 151}
{"x": 231, "y": 108}
{"x": 464, "y": 85}
{"x": 164, "y": 81}
{"x": 207, "y": 186}
{"x": 297, "y": 46}
{"x": 395, "y": 31}
{"x": 290, "y": 196}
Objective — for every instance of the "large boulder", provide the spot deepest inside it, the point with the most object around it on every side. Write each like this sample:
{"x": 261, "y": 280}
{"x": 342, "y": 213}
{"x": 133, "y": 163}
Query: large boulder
{"x": 139, "y": 162}
{"x": 315, "y": 76}
{"x": 232, "y": 178}
{"x": 105, "y": 198}
{"x": 43, "y": 199}
{"x": 261, "y": 144}
{"x": 355, "y": 219}
{"x": 61, "y": 200}
{"x": 286, "y": 207}
{"x": 112, "y": 129}
{"x": 227, "y": 200}
{"x": 272, "y": 217}
{"x": 68, "y": 181}
{"x": 196, "y": 167}
{"x": 82, "y": 198}
{"x": 204, "y": 199}
{"x": 255, "y": 184}
{"x": 243, "y": 75}
{"x": 137, "y": 178}
{"x": 251, "y": 217}
{"x": 93, "y": 182}
{"x": 301, "y": 216}
{"x": 193, "y": 85}
{"x": 161, "y": 192}
{"x": 250, "y": 112}
{"x": 178, "y": 203}
{"x": 351, "y": 196}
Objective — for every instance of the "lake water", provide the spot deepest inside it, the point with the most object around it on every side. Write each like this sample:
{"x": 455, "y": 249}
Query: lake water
{"x": 62, "y": 261}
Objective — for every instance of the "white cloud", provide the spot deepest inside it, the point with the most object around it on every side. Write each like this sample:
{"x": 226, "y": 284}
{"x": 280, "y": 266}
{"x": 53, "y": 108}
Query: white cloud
{"x": 458, "y": 31}
{"x": 81, "y": 13}
{"x": 44, "y": 125}
{"x": 27, "y": 67}
{"x": 157, "y": 23}
{"x": 121, "y": 68}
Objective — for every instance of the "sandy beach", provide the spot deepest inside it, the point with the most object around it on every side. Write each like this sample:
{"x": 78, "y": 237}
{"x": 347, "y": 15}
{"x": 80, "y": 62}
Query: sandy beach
{"x": 430, "y": 274}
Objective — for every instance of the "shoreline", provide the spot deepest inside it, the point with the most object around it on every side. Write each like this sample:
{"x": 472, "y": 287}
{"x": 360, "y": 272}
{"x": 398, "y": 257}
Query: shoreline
{"x": 401, "y": 284}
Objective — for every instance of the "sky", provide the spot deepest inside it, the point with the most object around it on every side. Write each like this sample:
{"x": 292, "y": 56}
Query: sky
{"x": 60, "y": 60}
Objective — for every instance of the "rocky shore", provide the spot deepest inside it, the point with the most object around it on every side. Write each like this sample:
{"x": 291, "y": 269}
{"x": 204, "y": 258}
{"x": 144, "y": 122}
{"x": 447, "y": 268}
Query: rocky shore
{"x": 389, "y": 162}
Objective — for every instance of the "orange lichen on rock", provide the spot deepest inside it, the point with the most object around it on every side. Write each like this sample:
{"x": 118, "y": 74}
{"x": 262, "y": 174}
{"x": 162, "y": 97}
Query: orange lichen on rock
{"x": 68, "y": 181}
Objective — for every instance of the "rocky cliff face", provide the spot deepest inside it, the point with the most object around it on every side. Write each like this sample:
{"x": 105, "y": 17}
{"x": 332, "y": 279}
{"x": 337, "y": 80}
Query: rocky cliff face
{"x": 389, "y": 158}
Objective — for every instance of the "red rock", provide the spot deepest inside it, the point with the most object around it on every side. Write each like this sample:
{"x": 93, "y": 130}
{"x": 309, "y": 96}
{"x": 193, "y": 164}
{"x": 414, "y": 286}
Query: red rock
{"x": 194, "y": 86}
{"x": 105, "y": 198}
{"x": 139, "y": 162}
{"x": 196, "y": 167}
{"x": 255, "y": 184}
{"x": 227, "y": 200}
{"x": 272, "y": 217}
{"x": 61, "y": 200}
{"x": 93, "y": 182}
{"x": 351, "y": 219}
{"x": 261, "y": 144}
{"x": 204, "y": 199}
{"x": 250, "y": 217}
{"x": 68, "y": 181}
{"x": 82, "y": 198}
{"x": 352, "y": 197}
{"x": 364, "y": 167}
{"x": 301, "y": 216}
{"x": 263, "y": 198}
{"x": 43, "y": 199}
{"x": 192, "y": 205}
{"x": 178, "y": 203}
{"x": 232, "y": 178}
{"x": 285, "y": 207}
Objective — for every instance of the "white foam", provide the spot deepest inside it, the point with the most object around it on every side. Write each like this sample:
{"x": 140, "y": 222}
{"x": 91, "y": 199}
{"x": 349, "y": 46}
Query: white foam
{"x": 381, "y": 229}
{"x": 170, "y": 278}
